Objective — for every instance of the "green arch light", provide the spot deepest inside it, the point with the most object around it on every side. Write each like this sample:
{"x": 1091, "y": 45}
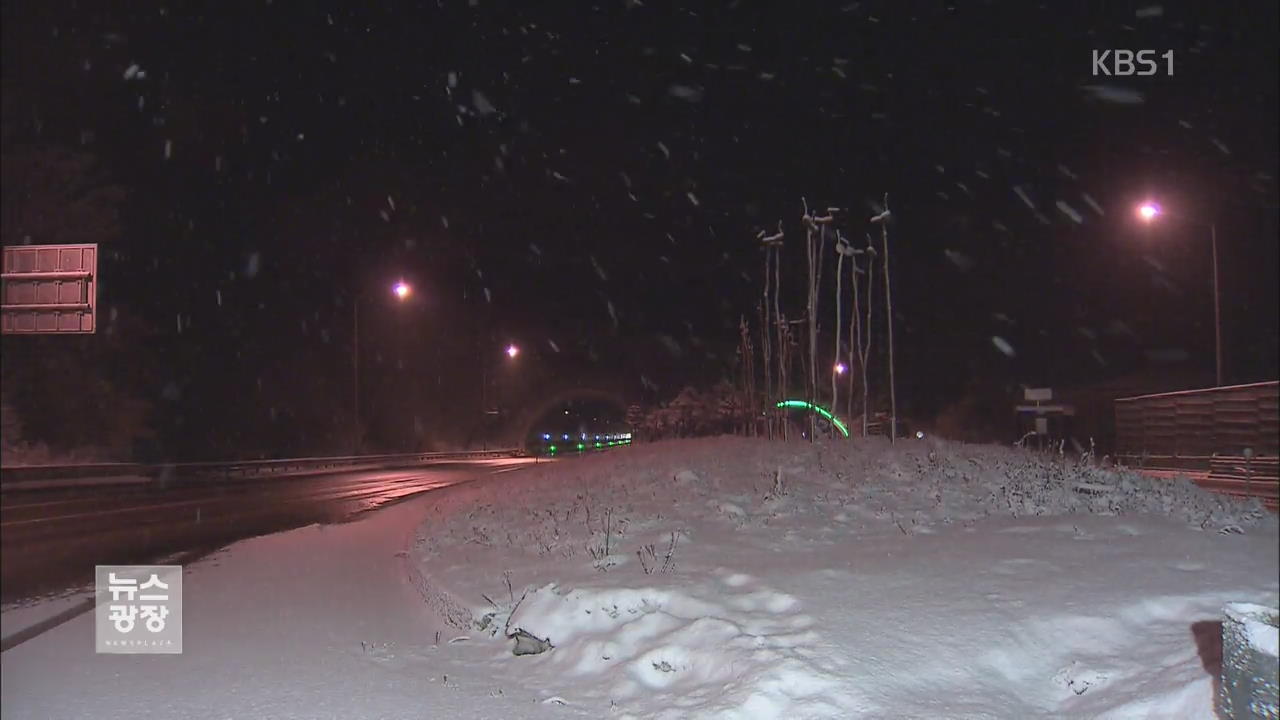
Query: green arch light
{"x": 804, "y": 405}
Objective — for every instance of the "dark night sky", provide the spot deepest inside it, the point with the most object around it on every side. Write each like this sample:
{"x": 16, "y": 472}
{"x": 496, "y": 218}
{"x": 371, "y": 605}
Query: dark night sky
{"x": 590, "y": 177}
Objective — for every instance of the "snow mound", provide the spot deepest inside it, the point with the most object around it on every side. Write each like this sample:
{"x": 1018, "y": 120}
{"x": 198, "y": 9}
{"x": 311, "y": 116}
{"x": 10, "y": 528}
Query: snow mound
{"x": 683, "y": 650}
{"x": 736, "y": 577}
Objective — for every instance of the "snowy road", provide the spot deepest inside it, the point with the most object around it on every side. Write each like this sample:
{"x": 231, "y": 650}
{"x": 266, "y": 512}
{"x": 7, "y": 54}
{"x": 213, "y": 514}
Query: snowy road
{"x": 317, "y": 622}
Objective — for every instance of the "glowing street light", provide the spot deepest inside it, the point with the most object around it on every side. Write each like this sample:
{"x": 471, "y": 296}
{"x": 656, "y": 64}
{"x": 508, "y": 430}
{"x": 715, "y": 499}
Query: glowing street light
{"x": 840, "y": 368}
{"x": 402, "y": 291}
{"x": 512, "y": 351}
{"x": 1150, "y": 212}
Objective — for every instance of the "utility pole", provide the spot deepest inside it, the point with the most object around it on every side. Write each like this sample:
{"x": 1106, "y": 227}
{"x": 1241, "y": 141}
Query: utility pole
{"x": 355, "y": 373}
{"x": 1217, "y": 305}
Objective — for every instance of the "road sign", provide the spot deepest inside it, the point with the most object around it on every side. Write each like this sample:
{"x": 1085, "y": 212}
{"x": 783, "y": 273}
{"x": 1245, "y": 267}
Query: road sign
{"x": 1038, "y": 394}
{"x": 50, "y": 289}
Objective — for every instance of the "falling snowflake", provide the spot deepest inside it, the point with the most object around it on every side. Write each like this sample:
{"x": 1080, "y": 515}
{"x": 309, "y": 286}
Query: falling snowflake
{"x": 1003, "y": 345}
{"x": 960, "y": 260}
{"x": 1115, "y": 94}
{"x": 686, "y": 93}
{"x": 1022, "y": 194}
{"x": 482, "y": 104}
{"x": 1070, "y": 212}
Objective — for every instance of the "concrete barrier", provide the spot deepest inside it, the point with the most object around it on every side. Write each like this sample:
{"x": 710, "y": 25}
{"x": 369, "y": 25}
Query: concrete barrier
{"x": 1249, "y": 663}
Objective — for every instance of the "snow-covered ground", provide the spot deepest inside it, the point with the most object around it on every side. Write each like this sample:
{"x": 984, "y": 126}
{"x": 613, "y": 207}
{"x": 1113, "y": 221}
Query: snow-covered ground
{"x": 712, "y": 578}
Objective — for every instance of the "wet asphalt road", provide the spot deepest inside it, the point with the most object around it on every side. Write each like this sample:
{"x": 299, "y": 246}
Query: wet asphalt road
{"x": 51, "y": 539}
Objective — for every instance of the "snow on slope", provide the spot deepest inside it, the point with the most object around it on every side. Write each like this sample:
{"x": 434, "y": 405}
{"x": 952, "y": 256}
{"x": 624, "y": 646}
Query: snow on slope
{"x": 743, "y": 579}
{"x": 682, "y": 580}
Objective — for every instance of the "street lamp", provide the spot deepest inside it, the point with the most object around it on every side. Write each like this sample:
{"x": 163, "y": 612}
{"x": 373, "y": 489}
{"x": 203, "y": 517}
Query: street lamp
{"x": 511, "y": 351}
{"x": 1150, "y": 212}
{"x": 401, "y": 290}
{"x": 840, "y": 368}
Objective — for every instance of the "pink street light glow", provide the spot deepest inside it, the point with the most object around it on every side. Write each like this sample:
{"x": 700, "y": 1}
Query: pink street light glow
{"x": 840, "y": 368}
{"x": 512, "y": 351}
{"x": 1148, "y": 211}
{"x": 401, "y": 290}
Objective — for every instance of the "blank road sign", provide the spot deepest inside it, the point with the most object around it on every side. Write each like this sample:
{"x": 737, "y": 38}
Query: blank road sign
{"x": 50, "y": 289}
{"x": 1038, "y": 394}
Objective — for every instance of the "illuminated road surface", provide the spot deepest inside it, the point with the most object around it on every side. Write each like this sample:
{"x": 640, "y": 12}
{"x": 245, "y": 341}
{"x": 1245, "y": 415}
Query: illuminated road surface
{"x": 51, "y": 539}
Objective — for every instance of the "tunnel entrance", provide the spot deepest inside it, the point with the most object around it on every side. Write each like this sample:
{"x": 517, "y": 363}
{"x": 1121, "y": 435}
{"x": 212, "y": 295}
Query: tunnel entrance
{"x": 577, "y": 423}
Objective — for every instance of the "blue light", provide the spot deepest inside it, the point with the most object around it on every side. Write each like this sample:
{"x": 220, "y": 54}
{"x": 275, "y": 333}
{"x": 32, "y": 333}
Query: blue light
{"x": 546, "y": 436}
{"x": 566, "y": 436}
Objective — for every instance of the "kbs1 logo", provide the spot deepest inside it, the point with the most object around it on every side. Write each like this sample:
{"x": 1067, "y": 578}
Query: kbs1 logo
{"x": 1124, "y": 63}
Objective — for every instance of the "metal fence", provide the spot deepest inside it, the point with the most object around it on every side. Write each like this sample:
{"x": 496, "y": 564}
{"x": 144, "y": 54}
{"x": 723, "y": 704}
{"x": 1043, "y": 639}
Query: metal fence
{"x": 1226, "y": 438}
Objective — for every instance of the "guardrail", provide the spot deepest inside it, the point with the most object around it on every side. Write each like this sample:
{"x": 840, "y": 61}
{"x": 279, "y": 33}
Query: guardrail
{"x": 1239, "y": 475}
{"x": 46, "y": 476}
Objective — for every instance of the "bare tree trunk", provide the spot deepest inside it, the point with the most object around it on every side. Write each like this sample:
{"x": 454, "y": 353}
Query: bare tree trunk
{"x": 784, "y": 368}
{"x": 883, "y": 219}
{"x": 757, "y": 403}
{"x": 811, "y": 317}
{"x": 866, "y": 351}
{"x": 772, "y": 247}
{"x": 783, "y": 354}
{"x": 814, "y": 226}
{"x": 835, "y": 377}
{"x": 855, "y": 331}
{"x": 764, "y": 340}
